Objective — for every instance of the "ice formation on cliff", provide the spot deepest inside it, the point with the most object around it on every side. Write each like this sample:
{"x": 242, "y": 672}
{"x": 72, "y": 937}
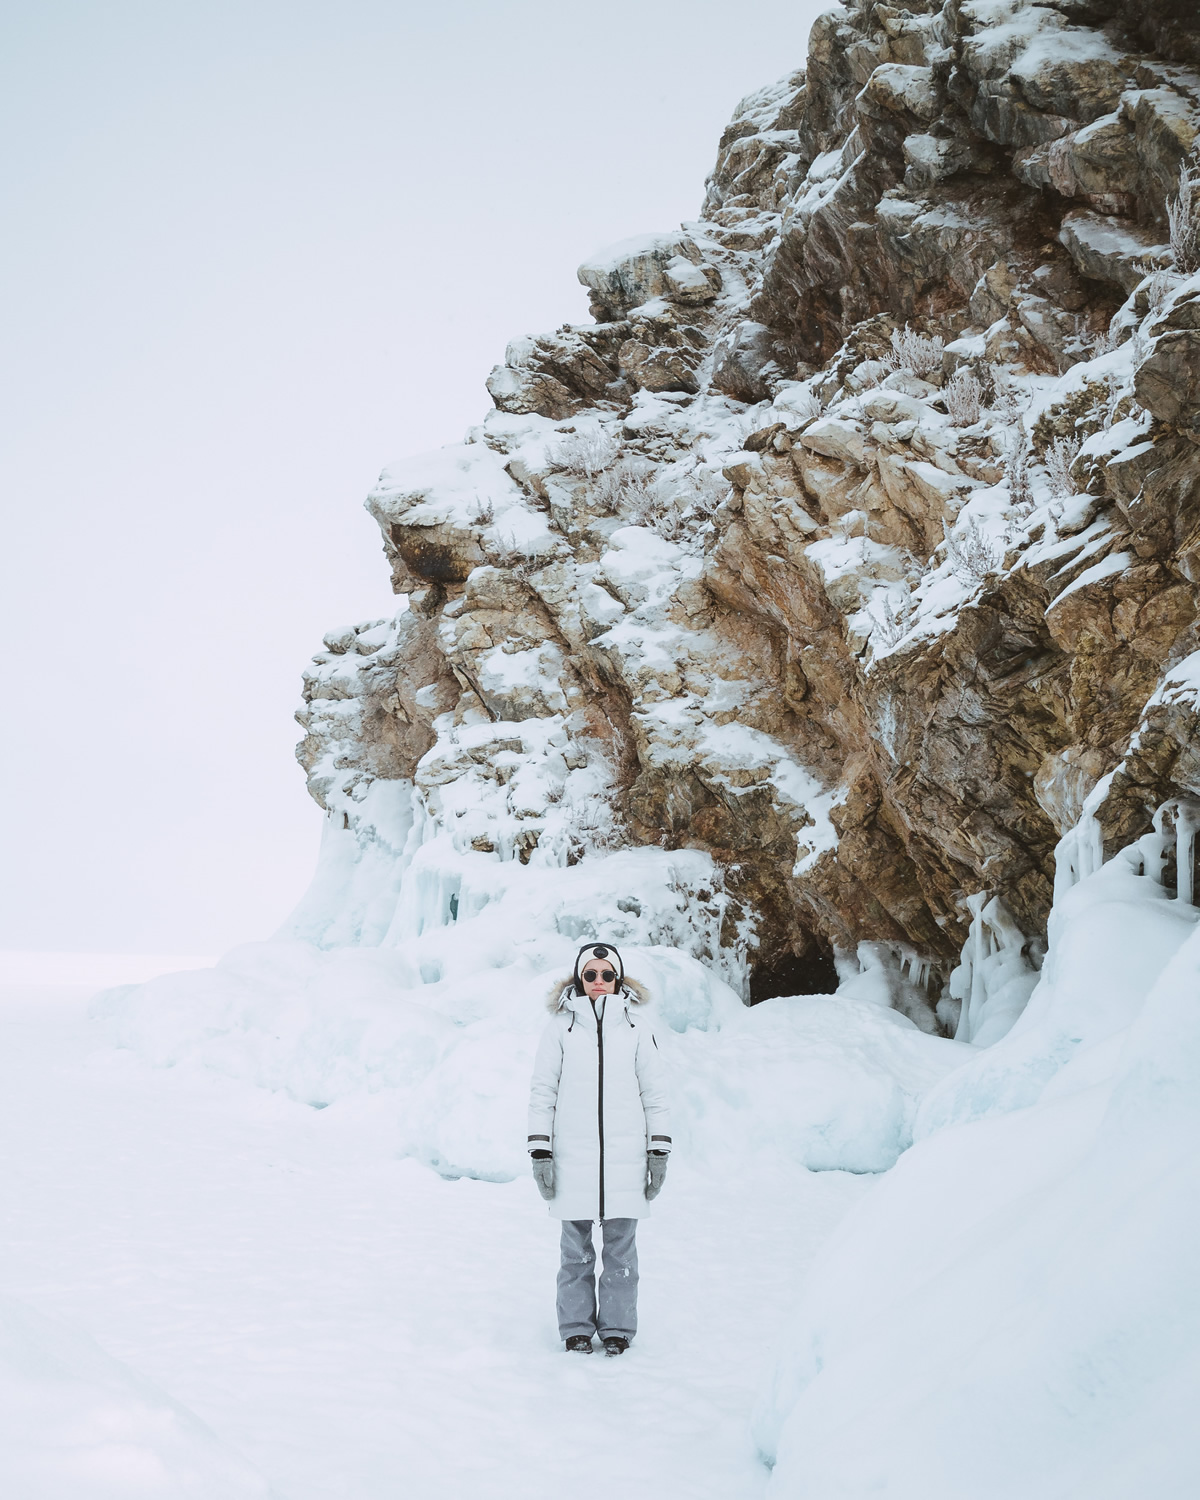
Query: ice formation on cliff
{"x": 845, "y": 548}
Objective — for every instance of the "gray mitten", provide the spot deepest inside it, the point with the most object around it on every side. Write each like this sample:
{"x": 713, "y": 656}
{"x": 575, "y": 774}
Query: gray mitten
{"x": 656, "y": 1171}
{"x": 543, "y": 1175}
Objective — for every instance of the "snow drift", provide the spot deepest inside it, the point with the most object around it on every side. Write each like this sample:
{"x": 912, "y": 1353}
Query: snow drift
{"x": 827, "y": 1082}
{"x": 1032, "y": 1325}
{"x": 76, "y": 1422}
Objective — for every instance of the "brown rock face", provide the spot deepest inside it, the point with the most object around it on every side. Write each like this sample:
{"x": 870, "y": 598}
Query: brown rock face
{"x": 858, "y": 539}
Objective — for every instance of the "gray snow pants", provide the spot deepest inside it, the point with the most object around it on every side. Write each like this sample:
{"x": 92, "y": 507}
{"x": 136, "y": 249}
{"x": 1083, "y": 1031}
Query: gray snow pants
{"x": 618, "y": 1280}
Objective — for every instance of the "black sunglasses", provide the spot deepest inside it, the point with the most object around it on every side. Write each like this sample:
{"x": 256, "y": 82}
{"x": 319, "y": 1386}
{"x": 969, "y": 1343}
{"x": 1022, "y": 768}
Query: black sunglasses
{"x": 590, "y": 975}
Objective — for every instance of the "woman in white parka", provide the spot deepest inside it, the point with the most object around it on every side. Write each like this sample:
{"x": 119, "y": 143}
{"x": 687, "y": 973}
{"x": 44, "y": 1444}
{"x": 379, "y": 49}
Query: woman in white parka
{"x": 599, "y": 1138}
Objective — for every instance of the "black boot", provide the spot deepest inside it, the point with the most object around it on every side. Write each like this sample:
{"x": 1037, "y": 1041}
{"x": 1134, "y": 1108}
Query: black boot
{"x": 580, "y": 1343}
{"x": 615, "y": 1344}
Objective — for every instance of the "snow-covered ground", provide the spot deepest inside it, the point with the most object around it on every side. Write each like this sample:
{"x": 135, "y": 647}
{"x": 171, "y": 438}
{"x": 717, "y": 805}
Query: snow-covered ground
{"x": 269, "y": 1231}
{"x": 344, "y": 1322}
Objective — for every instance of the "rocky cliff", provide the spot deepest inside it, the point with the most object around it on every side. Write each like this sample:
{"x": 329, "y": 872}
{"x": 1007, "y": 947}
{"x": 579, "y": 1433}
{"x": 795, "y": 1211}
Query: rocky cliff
{"x": 855, "y": 542}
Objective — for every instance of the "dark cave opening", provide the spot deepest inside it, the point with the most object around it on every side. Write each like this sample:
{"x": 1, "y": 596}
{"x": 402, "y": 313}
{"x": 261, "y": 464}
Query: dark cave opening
{"x": 812, "y": 973}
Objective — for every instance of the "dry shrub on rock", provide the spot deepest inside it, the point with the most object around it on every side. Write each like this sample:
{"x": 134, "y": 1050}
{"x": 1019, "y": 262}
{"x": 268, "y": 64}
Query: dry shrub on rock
{"x": 890, "y": 619}
{"x": 623, "y": 486}
{"x": 973, "y": 555}
{"x": 964, "y": 397}
{"x": 585, "y": 453}
{"x": 1017, "y": 453}
{"x": 1159, "y": 285}
{"x": 1183, "y": 216}
{"x": 680, "y": 502}
{"x": 1060, "y": 455}
{"x": 918, "y": 353}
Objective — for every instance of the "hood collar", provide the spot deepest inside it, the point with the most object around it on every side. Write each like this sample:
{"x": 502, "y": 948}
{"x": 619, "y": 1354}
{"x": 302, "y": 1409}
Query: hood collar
{"x": 563, "y": 995}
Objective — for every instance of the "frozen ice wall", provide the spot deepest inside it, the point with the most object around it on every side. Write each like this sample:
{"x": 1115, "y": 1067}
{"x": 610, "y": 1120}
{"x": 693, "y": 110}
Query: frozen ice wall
{"x": 1015, "y": 1310}
{"x": 417, "y": 971}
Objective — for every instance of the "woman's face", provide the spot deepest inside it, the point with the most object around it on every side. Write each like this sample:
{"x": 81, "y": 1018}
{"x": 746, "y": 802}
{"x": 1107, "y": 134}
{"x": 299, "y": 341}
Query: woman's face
{"x": 599, "y": 977}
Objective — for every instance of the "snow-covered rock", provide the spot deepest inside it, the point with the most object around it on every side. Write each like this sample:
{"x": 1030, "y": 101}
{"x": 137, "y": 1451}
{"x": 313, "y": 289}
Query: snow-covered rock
{"x": 751, "y": 491}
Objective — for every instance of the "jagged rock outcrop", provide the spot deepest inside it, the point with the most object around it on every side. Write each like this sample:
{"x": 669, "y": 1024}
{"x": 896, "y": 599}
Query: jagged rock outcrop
{"x": 852, "y": 541}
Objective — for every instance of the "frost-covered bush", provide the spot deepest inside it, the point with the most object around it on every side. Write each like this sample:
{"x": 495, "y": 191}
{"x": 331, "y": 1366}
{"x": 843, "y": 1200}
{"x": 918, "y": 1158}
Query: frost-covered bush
{"x": 1103, "y": 342}
{"x": 597, "y": 829}
{"x": 918, "y": 353}
{"x": 1017, "y": 454}
{"x": 964, "y": 397}
{"x": 871, "y": 372}
{"x": 972, "y": 554}
{"x": 585, "y": 453}
{"x": 1183, "y": 217}
{"x": 1159, "y": 285}
{"x": 1112, "y": 396}
{"x": 483, "y": 512}
{"x": 1060, "y": 455}
{"x": 516, "y": 559}
{"x": 680, "y": 502}
{"x": 1008, "y": 400}
{"x": 890, "y": 615}
{"x": 1114, "y": 392}
{"x": 1107, "y": 396}
{"x": 622, "y": 485}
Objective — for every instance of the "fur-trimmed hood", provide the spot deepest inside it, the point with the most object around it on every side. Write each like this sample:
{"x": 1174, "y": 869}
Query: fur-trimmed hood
{"x": 564, "y": 989}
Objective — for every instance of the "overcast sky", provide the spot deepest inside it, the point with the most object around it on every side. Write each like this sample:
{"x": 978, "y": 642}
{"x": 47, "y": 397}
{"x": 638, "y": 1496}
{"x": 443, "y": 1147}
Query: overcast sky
{"x": 252, "y": 252}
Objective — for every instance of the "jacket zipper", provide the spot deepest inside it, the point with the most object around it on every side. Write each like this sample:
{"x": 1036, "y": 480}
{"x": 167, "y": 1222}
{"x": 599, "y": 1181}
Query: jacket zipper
{"x": 600, "y": 1097}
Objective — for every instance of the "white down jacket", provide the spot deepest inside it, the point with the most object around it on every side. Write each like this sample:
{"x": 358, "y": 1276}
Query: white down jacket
{"x": 598, "y": 1103}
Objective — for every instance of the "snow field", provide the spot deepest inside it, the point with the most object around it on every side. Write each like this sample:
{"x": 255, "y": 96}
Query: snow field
{"x": 77, "y": 1422}
{"x": 235, "y": 1201}
{"x": 331, "y": 1321}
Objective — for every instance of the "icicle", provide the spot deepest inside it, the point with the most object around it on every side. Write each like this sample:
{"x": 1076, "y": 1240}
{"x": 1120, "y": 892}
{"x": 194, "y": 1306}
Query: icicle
{"x": 1091, "y": 846}
{"x": 973, "y": 956}
{"x": 1187, "y": 822}
{"x": 1080, "y": 851}
{"x": 1154, "y": 845}
{"x": 995, "y": 976}
{"x": 1177, "y": 819}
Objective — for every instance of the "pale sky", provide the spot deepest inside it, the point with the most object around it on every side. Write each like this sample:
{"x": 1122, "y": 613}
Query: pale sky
{"x": 253, "y": 251}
